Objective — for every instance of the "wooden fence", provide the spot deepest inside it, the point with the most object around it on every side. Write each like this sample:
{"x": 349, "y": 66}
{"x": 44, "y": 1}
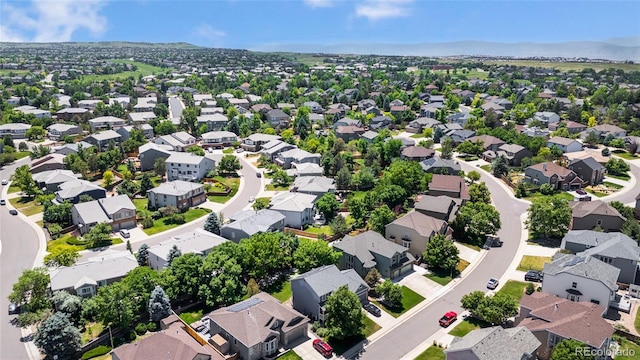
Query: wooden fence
{"x": 309, "y": 234}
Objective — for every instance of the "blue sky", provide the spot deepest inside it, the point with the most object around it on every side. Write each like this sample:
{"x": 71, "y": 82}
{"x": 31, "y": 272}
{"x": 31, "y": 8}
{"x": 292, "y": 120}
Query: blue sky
{"x": 249, "y": 24}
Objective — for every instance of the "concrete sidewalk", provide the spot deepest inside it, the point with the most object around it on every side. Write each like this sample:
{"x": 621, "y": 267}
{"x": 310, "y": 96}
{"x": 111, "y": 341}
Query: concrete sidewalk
{"x": 466, "y": 253}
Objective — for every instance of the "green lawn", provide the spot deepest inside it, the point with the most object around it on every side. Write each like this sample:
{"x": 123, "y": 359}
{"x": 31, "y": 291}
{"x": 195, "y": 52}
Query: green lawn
{"x": 40, "y": 223}
{"x": 141, "y": 204}
{"x": 470, "y": 246}
{"x": 143, "y": 69}
{"x": 417, "y": 136}
{"x": 232, "y": 182}
{"x": 443, "y": 277}
{"x": 562, "y": 195}
{"x": 625, "y": 155}
{"x": 92, "y": 331}
{"x": 282, "y": 291}
{"x": 596, "y": 193}
{"x": 27, "y": 206}
{"x": 326, "y": 229}
{"x": 486, "y": 168}
{"x": 289, "y": 355}
{"x": 432, "y": 353}
{"x": 370, "y": 327}
{"x": 13, "y": 189}
{"x": 69, "y": 241}
{"x": 228, "y": 150}
{"x": 357, "y": 195}
{"x": 529, "y": 262}
{"x": 271, "y": 187}
{"x": 467, "y": 325}
{"x": 161, "y": 225}
{"x": 513, "y": 288}
{"x": 619, "y": 177}
{"x": 191, "y": 316}
{"x": 340, "y": 346}
{"x": 637, "y": 322}
{"x": 22, "y": 154}
{"x": 628, "y": 350}
{"x": 409, "y": 299}
{"x": 612, "y": 185}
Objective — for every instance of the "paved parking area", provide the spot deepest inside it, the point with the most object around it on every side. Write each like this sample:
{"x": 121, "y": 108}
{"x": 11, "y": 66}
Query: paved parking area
{"x": 306, "y": 351}
{"x": 420, "y": 284}
{"x": 385, "y": 320}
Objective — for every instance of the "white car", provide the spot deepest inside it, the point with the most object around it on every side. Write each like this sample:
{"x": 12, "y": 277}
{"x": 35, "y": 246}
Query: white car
{"x": 493, "y": 283}
{"x": 5, "y": 181}
{"x": 252, "y": 198}
{"x": 3, "y": 202}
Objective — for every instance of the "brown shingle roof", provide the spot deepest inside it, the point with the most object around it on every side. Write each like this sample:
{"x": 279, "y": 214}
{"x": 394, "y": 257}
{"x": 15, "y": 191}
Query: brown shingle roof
{"x": 575, "y": 320}
{"x": 550, "y": 168}
{"x": 487, "y": 140}
{"x": 449, "y": 183}
{"x": 417, "y": 152}
{"x": 425, "y": 225}
{"x": 597, "y": 207}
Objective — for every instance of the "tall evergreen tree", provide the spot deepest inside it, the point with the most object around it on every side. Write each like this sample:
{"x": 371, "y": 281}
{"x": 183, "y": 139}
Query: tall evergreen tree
{"x": 213, "y": 223}
{"x": 159, "y": 304}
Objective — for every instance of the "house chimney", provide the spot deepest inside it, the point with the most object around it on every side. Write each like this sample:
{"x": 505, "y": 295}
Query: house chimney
{"x": 555, "y": 306}
{"x": 544, "y": 166}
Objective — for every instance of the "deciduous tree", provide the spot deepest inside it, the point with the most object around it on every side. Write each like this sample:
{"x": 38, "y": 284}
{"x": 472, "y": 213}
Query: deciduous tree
{"x": 313, "y": 253}
{"x": 441, "y": 253}
{"x": 328, "y": 205}
{"x": 549, "y": 217}
{"x": 479, "y": 192}
{"x": 380, "y": 217}
{"x": 344, "y": 316}
{"x": 229, "y": 164}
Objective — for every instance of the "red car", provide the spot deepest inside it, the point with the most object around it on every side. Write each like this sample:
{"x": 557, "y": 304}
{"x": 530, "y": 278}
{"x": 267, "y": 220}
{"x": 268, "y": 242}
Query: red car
{"x": 322, "y": 347}
{"x": 448, "y": 318}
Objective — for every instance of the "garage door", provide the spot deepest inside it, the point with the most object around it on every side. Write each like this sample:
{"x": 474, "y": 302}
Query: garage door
{"x": 125, "y": 225}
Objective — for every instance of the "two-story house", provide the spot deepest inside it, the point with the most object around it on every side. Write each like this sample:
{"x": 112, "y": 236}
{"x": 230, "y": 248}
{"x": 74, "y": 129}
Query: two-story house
{"x": 449, "y": 185}
{"x": 369, "y": 250}
{"x": 560, "y": 178}
{"x": 56, "y": 132}
{"x": 418, "y": 125}
{"x": 587, "y": 215}
{"x": 438, "y": 165}
{"x": 517, "y": 343}
{"x": 104, "y": 139}
{"x": 68, "y": 113}
{"x": 588, "y": 169}
{"x": 416, "y": 153}
{"x": 179, "y": 141}
{"x": 255, "y": 141}
{"x": 15, "y": 130}
{"x": 188, "y": 166}
{"x": 177, "y": 193}
{"x": 488, "y": 142}
{"x": 277, "y": 117}
{"x": 312, "y": 289}
{"x": 512, "y": 152}
{"x": 298, "y": 208}
{"x": 72, "y": 190}
{"x": 197, "y": 241}
{"x": 125, "y": 131}
{"x": 275, "y": 147}
{"x": 218, "y": 139}
{"x": 150, "y": 152}
{"x": 245, "y": 223}
{"x": 256, "y": 328}
{"x": 546, "y": 117}
{"x": 214, "y": 122}
{"x": 118, "y": 211}
{"x": 106, "y": 122}
{"x": 314, "y": 185}
{"x": 565, "y": 144}
{"x": 296, "y": 156}
{"x": 414, "y": 230}
{"x": 51, "y": 180}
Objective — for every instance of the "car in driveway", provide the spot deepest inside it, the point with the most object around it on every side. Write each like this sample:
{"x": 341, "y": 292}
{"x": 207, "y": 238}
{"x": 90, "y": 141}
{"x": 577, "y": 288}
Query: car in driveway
{"x": 372, "y": 309}
{"x": 448, "y": 319}
{"x": 125, "y": 233}
{"x": 13, "y": 212}
{"x": 581, "y": 192}
{"x": 323, "y": 348}
{"x": 533, "y": 275}
{"x": 493, "y": 283}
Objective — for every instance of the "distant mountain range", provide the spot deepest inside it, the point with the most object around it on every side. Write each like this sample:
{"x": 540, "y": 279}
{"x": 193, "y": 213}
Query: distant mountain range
{"x": 618, "y": 49}
{"x": 104, "y": 44}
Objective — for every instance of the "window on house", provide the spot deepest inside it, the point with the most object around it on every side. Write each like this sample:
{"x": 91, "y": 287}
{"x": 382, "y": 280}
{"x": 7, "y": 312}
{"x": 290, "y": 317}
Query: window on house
{"x": 406, "y": 243}
{"x": 574, "y": 285}
{"x": 599, "y": 222}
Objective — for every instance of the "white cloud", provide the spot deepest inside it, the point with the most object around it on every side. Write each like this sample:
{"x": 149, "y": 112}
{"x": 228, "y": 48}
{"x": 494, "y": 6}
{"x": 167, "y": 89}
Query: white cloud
{"x": 383, "y": 9}
{"x": 319, "y": 3}
{"x": 209, "y": 34}
{"x": 52, "y": 21}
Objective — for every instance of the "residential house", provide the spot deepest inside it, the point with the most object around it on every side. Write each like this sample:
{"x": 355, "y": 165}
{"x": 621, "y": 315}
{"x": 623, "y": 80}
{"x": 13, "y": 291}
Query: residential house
{"x": 174, "y": 341}
{"x": 416, "y": 153}
{"x": 255, "y": 141}
{"x": 552, "y": 319}
{"x": 15, "y": 130}
{"x": 242, "y": 103}
{"x": 261, "y": 108}
{"x": 256, "y": 328}
{"x": 587, "y": 215}
{"x": 430, "y": 110}
{"x": 275, "y": 147}
{"x": 106, "y": 122}
{"x": 47, "y": 163}
{"x": 307, "y": 169}
{"x": 348, "y": 133}
{"x": 50, "y": 180}
{"x": 277, "y": 117}
{"x": 512, "y": 152}
{"x": 282, "y": 106}
{"x": 440, "y": 207}
{"x": 72, "y": 148}
{"x": 145, "y": 104}
{"x": 298, "y": 208}
{"x": 125, "y": 131}
{"x": 414, "y": 231}
{"x": 198, "y": 98}
{"x": 458, "y": 136}
{"x": 632, "y": 144}
{"x": 581, "y": 278}
{"x": 405, "y": 141}
{"x": 380, "y": 122}
{"x": 489, "y": 142}
{"x": 68, "y": 113}
{"x": 219, "y": 139}
{"x": 314, "y": 185}
{"x": 494, "y": 108}
{"x": 214, "y": 122}
{"x": 546, "y": 117}
{"x": 249, "y": 222}
{"x": 197, "y": 241}
{"x": 177, "y": 193}
{"x": 418, "y": 125}
{"x": 588, "y": 170}
{"x": 179, "y": 141}
{"x": 314, "y": 107}
{"x": 369, "y": 136}
{"x": 118, "y": 211}
{"x": 89, "y": 104}
{"x": 535, "y": 131}
{"x": 564, "y": 144}
{"x": 438, "y": 165}
{"x": 72, "y": 190}
{"x": 211, "y": 110}
{"x": 369, "y": 250}
{"x": 461, "y": 118}
{"x": 312, "y": 289}
{"x": 141, "y": 117}
{"x": 560, "y": 178}
{"x": 605, "y": 130}
{"x": 613, "y": 248}
{"x": 517, "y": 343}
{"x": 104, "y": 139}
{"x": 296, "y": 156}
{"x": 449, "y": 185}
{"x": 83, "y": 279}
{"x": 150, "y": 152}
{"x": 188, "y": 166}
{"x": 57, "y": 131}
{"x": 434, "y": 99}
{"x": 575, "y": 127}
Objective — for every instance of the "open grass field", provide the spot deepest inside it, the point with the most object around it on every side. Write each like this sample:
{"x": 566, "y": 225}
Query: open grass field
{"x": 409, "y": 299}
{"x": 564, "y": 66}
{"x": 513, "y": 288}
{"x": 9, "y": 72}
{"x": 143, "y": 70}
{"x": 529, "y": 262}
{"x": 432, "y": 353}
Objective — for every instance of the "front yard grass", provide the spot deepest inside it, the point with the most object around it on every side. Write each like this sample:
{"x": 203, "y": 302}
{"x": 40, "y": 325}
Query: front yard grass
{"x": 231, "y": 182}
{"x": 281, "y": 291}
{"x": 443, "y": 277}
{"x": 409, "y": 299}
{"x": 271, "y": 187}
{"x": 228, "y": 150}
{"x": 417, "y": 136}
{"x": 340, "y": 346}
{"x": 68, "y": 241}
{"x": 625, "y": 155}
{"x": 624, "y": 177}
{"x": 486, "y": 168}
{"x": 470, "y": 246}
{"x": 529, "y": 262}
{"x": 562, "y": 195}
{"x": 289, "y": 355}
{"x": 467, "y": 325}
{"x": 27, "y": 205}
{"x": 161, "y": 224}
{"x": 191, "y": 316}
{"x": 13, "y": 189}
{"x": 432, "y": 353}
{"x": 514, "y": 288}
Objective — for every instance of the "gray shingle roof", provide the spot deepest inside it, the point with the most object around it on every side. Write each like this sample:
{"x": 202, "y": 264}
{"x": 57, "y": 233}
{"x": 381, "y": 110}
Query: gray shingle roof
{"x": 68, "y": 277}
{"x": 497, "y": 343}
{"x": 436, "y": 162}
{"x": 365, "y": 244}
{"x": 288, "y": 201}
{"x": 327, "y": 279}
{"x": 584, "y": 266}
{"x": 618, "y": 246}
{"x": 71, "y": 189}
{"x": 252, "y": 222}
{"x": 196, "y": 241}
{"x": 590, "y": 162}
{"x": 314, "y": 184}
{"x": 176, "y": 188}
{"x": 113, "y": 204}
{"x": 106, "y": 135}
{"x": 91, "y": 213}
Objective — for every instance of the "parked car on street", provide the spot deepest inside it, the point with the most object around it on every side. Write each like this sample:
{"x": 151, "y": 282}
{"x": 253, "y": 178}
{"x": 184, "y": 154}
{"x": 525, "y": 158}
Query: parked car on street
{"x": 533, "y": 275}
{"x": 3, "y": 202}
{"x": 448, "y": 319}
{"x": 372, "y": 309}
{"x": 258, "y": 174}
{"x": 13, "y": 212}
{"x": 323, "y": 348}
{"x": 4, "y": 182}
{"x": 493, "y": 241}
{"x": 13, "y": 309}
{"x": 493, "y": 283}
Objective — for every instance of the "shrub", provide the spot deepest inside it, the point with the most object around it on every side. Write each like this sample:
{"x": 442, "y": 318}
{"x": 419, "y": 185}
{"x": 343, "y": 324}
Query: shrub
{"x": 141, "y": 329}
{"x": 530, "y": 288}
{"x": 177, "y": 219}
{"x": 100, "y": 350}
{"x": 152, "y": 327}
{"x": 132, "y": 335}
{"x": 147, "y": 222}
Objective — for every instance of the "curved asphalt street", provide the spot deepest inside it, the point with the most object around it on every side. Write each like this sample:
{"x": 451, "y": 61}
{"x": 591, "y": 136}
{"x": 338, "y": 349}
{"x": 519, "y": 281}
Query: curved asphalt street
{"x": 19, "y": 244}
{"x": 409, "y": 334}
